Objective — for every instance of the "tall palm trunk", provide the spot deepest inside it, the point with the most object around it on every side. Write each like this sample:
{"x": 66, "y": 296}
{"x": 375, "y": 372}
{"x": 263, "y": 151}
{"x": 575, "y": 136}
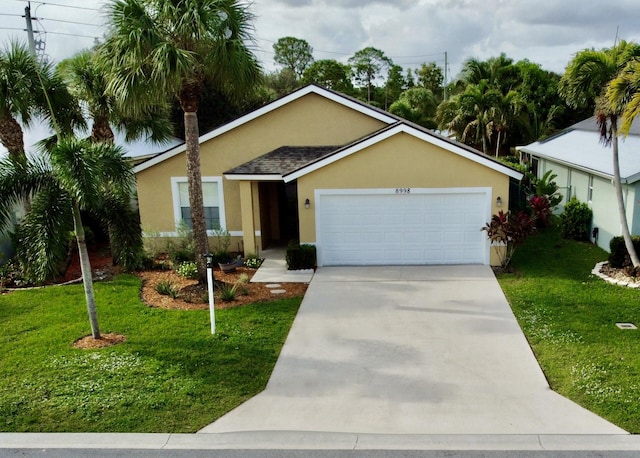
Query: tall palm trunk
{"x": 101, "y": 130}
{"x": 11, "y": 136}
{"x": 624, "y": 226}
{"x": 194, "y": 178}
{"x": 484, "y": 142}
{"x": 85, "y": 266}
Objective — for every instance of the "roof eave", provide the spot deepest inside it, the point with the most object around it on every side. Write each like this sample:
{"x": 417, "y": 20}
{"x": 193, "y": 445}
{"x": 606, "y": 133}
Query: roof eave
{"x": 253, "y": 177}
{"x": 567, "y": 163}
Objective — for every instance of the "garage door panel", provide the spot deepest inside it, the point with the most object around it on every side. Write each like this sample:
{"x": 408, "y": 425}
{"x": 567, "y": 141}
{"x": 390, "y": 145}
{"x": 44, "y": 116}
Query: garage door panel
{"x": 433, "y": 237}
{"x": 424, "y": 228}
{"x": 454, "y": 237}
{"x": 371, "y": 219}
{"x": 415, "y": 238}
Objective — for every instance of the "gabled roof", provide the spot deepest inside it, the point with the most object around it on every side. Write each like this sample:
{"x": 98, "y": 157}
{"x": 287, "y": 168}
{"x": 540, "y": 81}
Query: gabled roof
{"x": 310, "y": 89}
{"x": 580, "y": 147}
{"x": 333, "y": 154}
{"x": 420, "y": 133}
{"x": 281, "y": 164}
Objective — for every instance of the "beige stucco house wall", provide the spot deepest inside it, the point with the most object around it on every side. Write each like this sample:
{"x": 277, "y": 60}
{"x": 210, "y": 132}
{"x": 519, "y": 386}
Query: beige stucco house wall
{"x": 309, "y": 120}
{"x": 364, "y": 149}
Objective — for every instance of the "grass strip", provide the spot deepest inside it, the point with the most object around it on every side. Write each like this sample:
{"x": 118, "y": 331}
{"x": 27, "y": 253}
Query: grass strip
{"x": 569, "y": 317}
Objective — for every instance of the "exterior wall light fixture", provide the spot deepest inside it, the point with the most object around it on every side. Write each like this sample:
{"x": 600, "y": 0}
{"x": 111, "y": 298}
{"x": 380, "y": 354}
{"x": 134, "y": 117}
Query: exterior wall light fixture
{"x": 307, "y": 204}
{"x": 499, "y": 202}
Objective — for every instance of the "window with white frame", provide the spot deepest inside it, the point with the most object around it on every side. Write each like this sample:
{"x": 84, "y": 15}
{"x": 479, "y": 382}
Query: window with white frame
{"x": 212, "y": 200}
{"x": 590, "y": 195}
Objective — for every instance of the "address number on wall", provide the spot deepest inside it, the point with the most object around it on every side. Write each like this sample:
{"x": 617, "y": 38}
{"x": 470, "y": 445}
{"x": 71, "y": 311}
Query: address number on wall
{"x": 403, "y": 190}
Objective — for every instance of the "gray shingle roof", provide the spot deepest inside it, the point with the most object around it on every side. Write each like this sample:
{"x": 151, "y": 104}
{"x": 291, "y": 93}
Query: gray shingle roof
{"x": 283, "y": 160}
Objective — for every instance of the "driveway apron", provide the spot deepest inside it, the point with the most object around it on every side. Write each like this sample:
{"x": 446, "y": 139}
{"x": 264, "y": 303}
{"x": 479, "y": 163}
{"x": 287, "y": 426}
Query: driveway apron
{"x": 408, "y": 350}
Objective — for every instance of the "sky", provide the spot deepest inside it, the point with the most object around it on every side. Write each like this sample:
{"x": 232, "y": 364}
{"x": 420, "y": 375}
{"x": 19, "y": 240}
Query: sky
{"x": 410, "y": 32}
{"x": 548, "y": 32}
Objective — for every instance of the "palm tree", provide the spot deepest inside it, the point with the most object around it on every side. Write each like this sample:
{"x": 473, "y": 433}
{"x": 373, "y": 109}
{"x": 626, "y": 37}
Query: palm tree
{"x": 478, "y": 102}
{"x": 624, "y": 94}
{"x": 499, "y": 72}
{"x": 75, "y": 176}
{"x": 509, "y": 111}
{"x": 87, "y": 81}
{"x": 22, "y": 79}
{"x": 585, "y": 82}
{"x": 157, "y": 48}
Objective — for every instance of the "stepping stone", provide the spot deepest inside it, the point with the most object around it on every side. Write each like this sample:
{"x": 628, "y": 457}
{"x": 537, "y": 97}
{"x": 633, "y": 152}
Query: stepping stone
{"x": 278, "y": 291}
{"x": 273, "y": 285}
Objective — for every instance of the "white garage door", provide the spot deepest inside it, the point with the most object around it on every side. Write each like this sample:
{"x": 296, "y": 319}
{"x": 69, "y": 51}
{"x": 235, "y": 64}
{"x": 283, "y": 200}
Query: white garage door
{"x": 403, "y": 226}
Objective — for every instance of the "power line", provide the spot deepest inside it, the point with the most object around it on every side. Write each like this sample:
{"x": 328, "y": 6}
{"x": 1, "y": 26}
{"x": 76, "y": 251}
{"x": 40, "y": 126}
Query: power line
{"x": 61, "y": 5}
{"x": 67, "y": 22}
{"x": 72, "y": 34}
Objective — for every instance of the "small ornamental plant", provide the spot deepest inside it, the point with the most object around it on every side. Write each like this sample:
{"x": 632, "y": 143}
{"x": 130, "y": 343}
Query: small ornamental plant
{"x": 166, "y": 288}
{"x": 507, "y": 231}
{"x": 188, "y": 269}
{"x": 541, "y": 208}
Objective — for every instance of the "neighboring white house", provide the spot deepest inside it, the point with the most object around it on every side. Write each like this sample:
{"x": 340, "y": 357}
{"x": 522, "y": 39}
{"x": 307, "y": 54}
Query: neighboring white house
{"x": 584, "y": 169}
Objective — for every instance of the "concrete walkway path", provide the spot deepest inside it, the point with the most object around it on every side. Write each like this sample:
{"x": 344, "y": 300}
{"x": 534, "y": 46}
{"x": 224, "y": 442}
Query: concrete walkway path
{"x": 274, "y": 269}
{"x": 419, "y": 350}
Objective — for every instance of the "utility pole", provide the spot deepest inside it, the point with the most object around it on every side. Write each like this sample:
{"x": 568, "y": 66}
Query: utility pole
{"x": 32, "y": 41}
{"x": 444, "y": 85}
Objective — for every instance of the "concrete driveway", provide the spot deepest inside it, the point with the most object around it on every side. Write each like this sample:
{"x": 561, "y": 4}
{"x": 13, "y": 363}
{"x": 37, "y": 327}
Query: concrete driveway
{"x": 409, "y": 350}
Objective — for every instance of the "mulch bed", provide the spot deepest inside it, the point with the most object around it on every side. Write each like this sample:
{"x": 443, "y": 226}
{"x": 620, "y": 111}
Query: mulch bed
{"x": 192, "y": 296}
{"x": 105, "y": 340}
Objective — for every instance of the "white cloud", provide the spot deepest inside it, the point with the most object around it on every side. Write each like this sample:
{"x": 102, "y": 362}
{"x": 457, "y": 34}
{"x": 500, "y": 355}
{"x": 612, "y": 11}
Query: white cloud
{"x": 547, "y": 32}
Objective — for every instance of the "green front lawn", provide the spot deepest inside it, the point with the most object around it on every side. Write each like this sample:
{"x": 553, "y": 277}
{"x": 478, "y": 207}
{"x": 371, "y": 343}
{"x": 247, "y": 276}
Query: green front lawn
{"x": 569, "y": 317}
{"x": 171, "y": 375}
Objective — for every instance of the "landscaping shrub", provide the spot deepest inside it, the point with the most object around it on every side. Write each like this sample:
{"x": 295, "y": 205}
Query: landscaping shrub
{"x": 181, "y": 248}
{"x": 253, "y": 261}
{"x": 545, "y": 186}
{"x": 9, "y": 275}
{"x": 228, "y": 292}
{"x": 508, "y": 230}
{"x": 575, "y": 221}
{"x": 166, "y": 288}
{"x": 188, "y": 269}
{"x": 300, "y": 256}
{"x": 619, "y": 256}
{"x": 541, "y": 210}
{"x": 221, "y": 245}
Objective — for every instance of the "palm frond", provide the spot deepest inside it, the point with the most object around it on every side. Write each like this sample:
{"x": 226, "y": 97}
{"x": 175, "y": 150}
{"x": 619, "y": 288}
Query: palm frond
{"x": 20, "y": 179}
{"x": 42, "y": 237}
{"x": 87, "y": 170}
{"x": 623, "y": 94}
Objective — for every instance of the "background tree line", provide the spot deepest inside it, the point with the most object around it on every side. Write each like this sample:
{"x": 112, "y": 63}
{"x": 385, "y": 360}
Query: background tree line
{"x": 492, "y": 105}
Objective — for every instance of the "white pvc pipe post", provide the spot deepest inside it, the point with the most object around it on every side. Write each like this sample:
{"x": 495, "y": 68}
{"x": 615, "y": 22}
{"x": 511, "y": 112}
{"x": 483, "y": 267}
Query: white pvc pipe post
{"x": 212, "y": 312}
